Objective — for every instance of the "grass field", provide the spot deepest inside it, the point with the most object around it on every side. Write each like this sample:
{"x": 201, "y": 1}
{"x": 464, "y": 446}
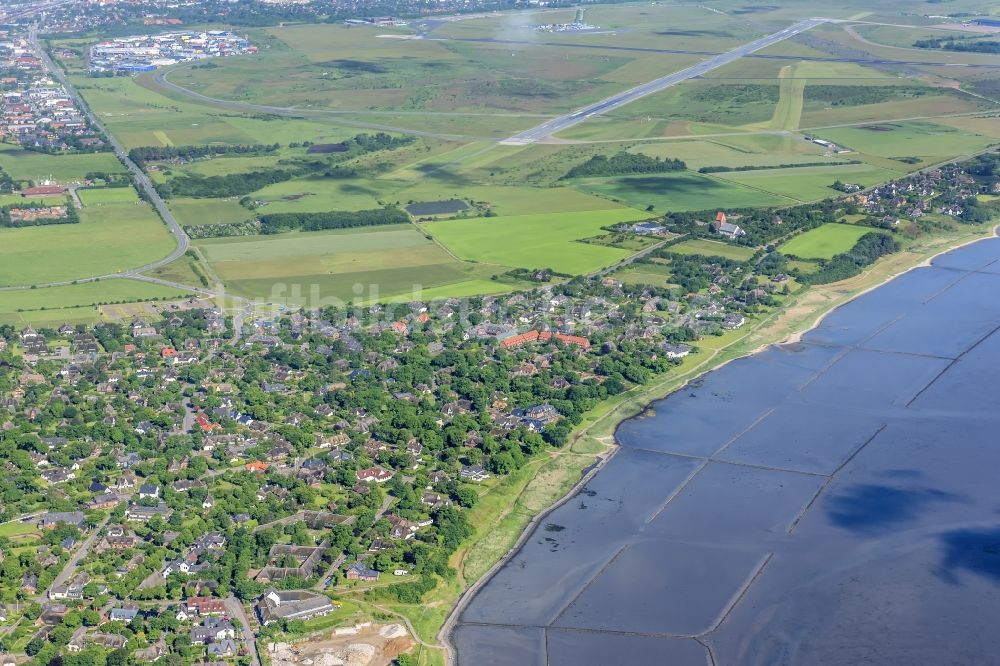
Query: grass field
{"x": 657, "y": 275}
{"x": 825, "y": 242}
{"x": 535, "y": 241}
{"x": 358, "y": 264}
{"x": 679, "y": 191}
{"x": 929, "y": 141}
{"x": 195, "y": 212}
{"x": 110, "y": 237}
{"x": 110, "y": 195}
{"x": 809, "y": 183}
{"x": 29, "y": 165}
{"x": 75, "y": 303}
{"x": 710, "y": 248}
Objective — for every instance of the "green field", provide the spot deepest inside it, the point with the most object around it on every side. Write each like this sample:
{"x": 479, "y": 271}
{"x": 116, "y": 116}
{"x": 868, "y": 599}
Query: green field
{"x": 809, "y": 183}
{"x": 679, "y": 191}
{"x": 657, "y": 275}
{"x": 535, "y": 241}
{"x": 28, "y": 165}
{"x": 109, "y": 238}
{"x": 110, "y": 195}
{"x": 75, "y": 303}
{"x": 360, "y": 264}
{"x": 709, "y": 248}
{"x": 825, "y": 242}
{"x": 930, "y": 141}
{"x": 195, "y": 212}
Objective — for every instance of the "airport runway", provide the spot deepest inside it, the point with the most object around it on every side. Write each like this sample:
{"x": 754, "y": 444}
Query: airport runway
{"x": 621, "y": 99}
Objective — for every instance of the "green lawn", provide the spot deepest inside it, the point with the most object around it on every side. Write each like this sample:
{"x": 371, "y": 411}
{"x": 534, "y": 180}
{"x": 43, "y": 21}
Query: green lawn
{"x": 109, "y": 195}
{"x": 28, "y": 165}
{"x": 825, "y": 242}
{"x": 709, "y": 248}
{"x": 657, "y": 275}
{"x": 535, "y": 241}
{"x": 109, "y": 238}
{"x": 17, "y": 528}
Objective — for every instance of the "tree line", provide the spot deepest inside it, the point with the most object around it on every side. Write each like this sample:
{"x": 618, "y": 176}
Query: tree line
{"x": 865, "y": 252}
{"x": 280, "y": 222}
{"x": 622, "y": 164}
{"x": 144, "y": 154}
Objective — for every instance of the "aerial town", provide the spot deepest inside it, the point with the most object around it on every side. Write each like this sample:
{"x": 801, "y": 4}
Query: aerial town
{"x": 38, "y": 113}
{"x": 145, "y": 53}
{"x": 423, "y": 333}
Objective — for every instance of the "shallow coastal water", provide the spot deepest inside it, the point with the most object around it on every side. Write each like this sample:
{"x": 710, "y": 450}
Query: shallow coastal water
{"x": 833, "y": 501}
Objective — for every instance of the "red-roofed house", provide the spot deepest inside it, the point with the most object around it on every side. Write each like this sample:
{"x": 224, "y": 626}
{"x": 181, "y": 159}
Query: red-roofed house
{"x": 376, "y": 474}
{"x": 205, "y": 606}
{"x": 205, "y": 424}
{"x": 518, "y": 340}
{"x": 43, "y": 191}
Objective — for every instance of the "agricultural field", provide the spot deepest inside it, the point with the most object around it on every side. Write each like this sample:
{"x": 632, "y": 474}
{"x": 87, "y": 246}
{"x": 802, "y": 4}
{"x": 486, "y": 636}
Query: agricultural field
{"x": 76, "y": 303}
{"x": 28, "y": 165}
{"x": 355, "y": 264}
{"x": 110, "y": 237}
{"x": 484, "y": 78}
{"x": 535, "y": 241}
{"x": 825, "y": 242}
{"x": 809, "y": 183}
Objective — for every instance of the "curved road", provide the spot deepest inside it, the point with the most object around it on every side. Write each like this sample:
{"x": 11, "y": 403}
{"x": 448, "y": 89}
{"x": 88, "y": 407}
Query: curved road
{"x": 142, "y": 181}
{"x": 160, "y": 78}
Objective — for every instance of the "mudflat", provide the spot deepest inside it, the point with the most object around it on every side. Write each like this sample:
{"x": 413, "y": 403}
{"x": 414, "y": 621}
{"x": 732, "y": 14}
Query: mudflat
{"x": 829, "y": 501}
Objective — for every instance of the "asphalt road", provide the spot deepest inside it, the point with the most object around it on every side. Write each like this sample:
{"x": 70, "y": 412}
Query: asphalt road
{"x": 238, "y": 613}
{"x": 7, "y": 16}
{"x": 621, "y": 99}
{"x": 141, "y": 179}
{"x": 70, "y": 569}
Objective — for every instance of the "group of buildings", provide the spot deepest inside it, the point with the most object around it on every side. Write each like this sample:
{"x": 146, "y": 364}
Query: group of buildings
{"x": 37, "y": 112}
{"x": 145, "y": 53}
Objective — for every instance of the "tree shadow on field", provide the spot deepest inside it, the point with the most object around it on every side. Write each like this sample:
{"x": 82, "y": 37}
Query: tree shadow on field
{"x": 355, "y": 66}
{"x": 442, "y": 173}
{"x": 669, "y": 184}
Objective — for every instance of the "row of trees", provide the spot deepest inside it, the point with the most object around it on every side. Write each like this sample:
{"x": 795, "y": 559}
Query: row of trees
{"x": 145, "y": 154}
{"x": 281, "y": 222}
{"x": 623, "y": 164}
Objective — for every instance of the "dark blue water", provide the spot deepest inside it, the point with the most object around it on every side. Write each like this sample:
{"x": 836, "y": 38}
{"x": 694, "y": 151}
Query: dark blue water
{"x": 834, "y": 501}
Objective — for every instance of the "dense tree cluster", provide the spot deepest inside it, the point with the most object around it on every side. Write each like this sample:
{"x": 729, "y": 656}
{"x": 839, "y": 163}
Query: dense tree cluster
{"x": 865, "y": 252}
{"x": 281, "y": 222}
{"x": 963, "y": 45}
{"x": 622, "y": 164}
{"x": 145, "y": 154}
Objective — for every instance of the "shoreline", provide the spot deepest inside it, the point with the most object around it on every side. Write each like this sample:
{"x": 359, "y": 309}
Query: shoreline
{"x": 648, "y": 400}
